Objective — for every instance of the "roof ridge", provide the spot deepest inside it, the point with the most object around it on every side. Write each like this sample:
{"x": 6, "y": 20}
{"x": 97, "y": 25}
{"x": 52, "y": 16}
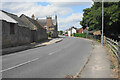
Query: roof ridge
{"x": 9, "y": 13}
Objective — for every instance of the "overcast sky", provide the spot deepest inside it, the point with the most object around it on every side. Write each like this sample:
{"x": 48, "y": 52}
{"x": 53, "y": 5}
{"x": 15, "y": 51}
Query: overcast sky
{"x": 69, "y": 12}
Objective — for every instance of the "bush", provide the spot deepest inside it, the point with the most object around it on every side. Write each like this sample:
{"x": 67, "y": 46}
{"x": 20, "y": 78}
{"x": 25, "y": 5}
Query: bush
{"x": 49, "y": 34}
{"x": 80, "y": 35}
{"x": 73, "y": 34}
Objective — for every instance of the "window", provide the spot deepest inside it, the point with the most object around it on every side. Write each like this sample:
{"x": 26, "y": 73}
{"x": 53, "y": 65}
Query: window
{"x": 12, "y": 30}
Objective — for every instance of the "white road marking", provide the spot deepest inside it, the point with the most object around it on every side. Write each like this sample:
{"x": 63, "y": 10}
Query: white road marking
{"x": 18, "y": 65}
{"x": 31, "y": 60}
{"x": 51, "y": 53}
{"x": 58, "y": 50}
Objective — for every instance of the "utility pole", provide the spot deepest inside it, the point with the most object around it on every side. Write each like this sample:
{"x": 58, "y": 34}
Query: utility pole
{"x": 102, "y": 36}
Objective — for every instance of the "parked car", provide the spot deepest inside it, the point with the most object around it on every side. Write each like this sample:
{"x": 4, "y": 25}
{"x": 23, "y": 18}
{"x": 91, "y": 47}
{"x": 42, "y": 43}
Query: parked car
{"x": 66, "y": 34}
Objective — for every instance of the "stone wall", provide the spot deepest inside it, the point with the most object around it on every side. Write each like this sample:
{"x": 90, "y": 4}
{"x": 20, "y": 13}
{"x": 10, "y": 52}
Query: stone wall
{"x": 21, "y": 35}
{"x": 24, "y": 35}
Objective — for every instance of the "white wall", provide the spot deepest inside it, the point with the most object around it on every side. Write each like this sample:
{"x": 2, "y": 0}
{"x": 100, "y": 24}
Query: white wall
{"x": 69, "y": 33}
{"x": 74, "y": 30}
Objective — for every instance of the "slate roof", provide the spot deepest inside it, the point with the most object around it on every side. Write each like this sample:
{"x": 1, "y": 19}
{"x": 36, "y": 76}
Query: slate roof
{"x": 74, "y": 27}
{"x": 4, "y": 16}
{"x": 42, "y": 21}
{"x": 36, "y": 24}
{"x": 15, "y": 17}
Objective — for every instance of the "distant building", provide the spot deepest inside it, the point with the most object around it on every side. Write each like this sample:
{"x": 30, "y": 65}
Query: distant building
{"x": 71, "y": 31}
{"x": 51, "y": 25}
{"x": 81, "y": 30}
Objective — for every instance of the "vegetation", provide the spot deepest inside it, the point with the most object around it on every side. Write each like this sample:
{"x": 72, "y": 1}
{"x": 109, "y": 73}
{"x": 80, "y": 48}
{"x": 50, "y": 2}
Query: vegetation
{"x": 49, "y": 34}
{"x": 60, "y": 32}
{"x": 66, "y": 32}
{"x": 92, "y": 18}
{"x": 83, "y": 35}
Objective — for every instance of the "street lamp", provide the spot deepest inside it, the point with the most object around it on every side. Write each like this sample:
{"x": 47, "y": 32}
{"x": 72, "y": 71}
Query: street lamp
{"x": 102, "y": 36}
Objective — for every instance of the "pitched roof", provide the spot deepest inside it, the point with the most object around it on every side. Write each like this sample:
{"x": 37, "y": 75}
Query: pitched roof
{"x": 15, "y": 17}
{"x": 41, "y": 25}
{"x": 4, "y": 16}
{"x": 44, "y": 22}
{"x": 36, "y": 24}
{"x": 74, "y": 27}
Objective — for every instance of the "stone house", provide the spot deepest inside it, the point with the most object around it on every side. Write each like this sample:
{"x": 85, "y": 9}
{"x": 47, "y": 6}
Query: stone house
{"x": 51, "y": 25}
{"x": 14, "y": 31}
{"x": 38, "y": 33}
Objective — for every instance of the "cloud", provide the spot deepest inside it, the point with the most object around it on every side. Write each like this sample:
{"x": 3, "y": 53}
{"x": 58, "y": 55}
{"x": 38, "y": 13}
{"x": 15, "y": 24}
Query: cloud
{"x": 46, "y": 0}
{"x": 29, "y": 8}
{"x": 72, "y": 20}
{"x": 40, "y": 11}
{"x": 71, "y": 4}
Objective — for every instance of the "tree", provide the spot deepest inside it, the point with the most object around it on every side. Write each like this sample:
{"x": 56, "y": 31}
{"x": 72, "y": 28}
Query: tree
{"x": 92, "y": 18}
{"x": 60, "y": 32}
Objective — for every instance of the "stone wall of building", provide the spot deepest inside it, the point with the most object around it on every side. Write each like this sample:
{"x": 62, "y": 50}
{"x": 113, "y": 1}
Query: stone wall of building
{"x": 20, "y": 36}
{"x": 41, "y": 35}
{"x": 24, "y": 35}
{"x": 0, "y": 35}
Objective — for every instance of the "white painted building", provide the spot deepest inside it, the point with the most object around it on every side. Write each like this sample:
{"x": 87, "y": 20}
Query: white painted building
{"x": 74, "y": 30}
{"x": 71, "y": 31}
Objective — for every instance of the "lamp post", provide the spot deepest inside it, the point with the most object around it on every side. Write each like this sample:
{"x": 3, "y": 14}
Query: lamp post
{"x": 102, "y": 36}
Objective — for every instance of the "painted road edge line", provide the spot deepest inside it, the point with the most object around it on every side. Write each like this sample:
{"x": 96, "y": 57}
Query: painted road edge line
{"x": 18, "y": 65}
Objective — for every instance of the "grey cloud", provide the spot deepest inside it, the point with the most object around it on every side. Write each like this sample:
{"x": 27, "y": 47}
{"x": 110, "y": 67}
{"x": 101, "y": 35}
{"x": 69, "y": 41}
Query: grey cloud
{"x": 71, "y": 4}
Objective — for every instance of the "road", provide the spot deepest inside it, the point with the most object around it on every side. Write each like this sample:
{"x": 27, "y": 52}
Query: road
{"x": 52, "y": 61}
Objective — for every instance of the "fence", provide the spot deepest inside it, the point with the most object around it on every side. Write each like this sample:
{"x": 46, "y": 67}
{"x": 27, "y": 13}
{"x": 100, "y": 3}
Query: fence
{"x": 114, "y": 46}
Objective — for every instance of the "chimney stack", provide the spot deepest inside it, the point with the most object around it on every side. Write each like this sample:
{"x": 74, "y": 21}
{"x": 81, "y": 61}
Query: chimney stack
{"x": 33, "y": 17}
{"x": 36, "y": 18}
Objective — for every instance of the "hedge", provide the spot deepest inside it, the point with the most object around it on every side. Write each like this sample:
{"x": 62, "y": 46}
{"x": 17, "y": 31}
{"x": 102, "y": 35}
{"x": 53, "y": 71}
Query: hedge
{"x": 79, "y": 35}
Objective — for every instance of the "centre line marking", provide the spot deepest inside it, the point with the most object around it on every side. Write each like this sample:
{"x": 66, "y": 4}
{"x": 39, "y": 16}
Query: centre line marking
{"x": 58, "y": 50}
{"x": 18, "y": 65}
{"x": 51, "y": 53}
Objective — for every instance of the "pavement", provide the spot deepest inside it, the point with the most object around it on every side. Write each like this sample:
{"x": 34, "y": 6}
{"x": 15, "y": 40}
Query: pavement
{"x": 52, "y": 61}
{"x": 30, "y": 46}
{"x": 98, "y": 65}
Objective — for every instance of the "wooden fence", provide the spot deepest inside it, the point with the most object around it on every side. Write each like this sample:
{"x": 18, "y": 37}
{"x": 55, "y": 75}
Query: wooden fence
{"x": 114, "y": 46}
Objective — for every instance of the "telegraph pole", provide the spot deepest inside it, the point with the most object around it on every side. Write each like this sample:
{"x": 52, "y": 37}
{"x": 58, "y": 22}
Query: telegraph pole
{"x": 102, "y": 36}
